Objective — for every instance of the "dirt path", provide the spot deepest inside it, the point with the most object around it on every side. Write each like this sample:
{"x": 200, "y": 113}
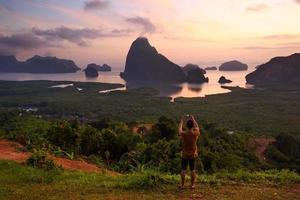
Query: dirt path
{"x": 260, "y": 145}
{"x": 8, "y": 151}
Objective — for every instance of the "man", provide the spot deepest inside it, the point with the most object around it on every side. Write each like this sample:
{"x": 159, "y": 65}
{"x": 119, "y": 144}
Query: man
{"x": 189, "y": 148}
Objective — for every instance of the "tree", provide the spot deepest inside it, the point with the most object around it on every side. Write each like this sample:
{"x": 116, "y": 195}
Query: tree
{"x": 91, "y": 141}
{"x": 165, "y": 128}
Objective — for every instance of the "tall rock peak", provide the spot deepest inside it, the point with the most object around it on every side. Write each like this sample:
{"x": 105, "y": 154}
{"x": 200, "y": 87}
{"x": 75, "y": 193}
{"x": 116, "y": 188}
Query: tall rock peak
{"x": 144, "y": 63}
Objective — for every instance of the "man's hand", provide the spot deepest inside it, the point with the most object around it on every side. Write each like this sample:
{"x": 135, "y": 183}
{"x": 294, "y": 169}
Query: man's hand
{"x": 180, "y": 130}
{"x": 195, "y": 122}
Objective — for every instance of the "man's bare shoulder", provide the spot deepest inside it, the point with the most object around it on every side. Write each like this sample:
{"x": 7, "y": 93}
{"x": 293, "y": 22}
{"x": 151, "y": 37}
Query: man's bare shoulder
{"x": 196, "y": 131}
{"x": 180, "y": 133}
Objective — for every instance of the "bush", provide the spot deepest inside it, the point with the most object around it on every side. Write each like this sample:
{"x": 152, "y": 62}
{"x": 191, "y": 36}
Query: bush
{"x": 97, "y": 160}
{"x": 65, "y": 136}
{"x": 165, "y": 128}
{"x": 39, "y": 159}
{"x": 274, "y": 154}
{"x": 91, "y": 141}
{"x": 285, "y": 152}
{"x": 145, "y": 180}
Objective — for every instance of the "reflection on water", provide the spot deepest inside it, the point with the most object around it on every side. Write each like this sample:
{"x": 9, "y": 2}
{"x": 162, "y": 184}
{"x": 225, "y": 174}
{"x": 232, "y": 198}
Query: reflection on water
{"x": 170, "y": 90}
{"x": 62, "y": 85}
{"x": 111, "y": 90}
{"x": 195, "y": 87}
{"x": 165, "y": 89}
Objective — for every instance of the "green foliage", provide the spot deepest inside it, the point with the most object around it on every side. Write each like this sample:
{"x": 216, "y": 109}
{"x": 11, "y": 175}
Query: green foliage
{"x": 270, "y": 176}
{"x": 222, "y": 151}
{"x": 273, "y": 153}
{"x": 285, "y": 152}
{"x": 241, "y": 110}
{"x": 101, "y": 124}
{"x": 165, "y": 128}
{"x": 25, "y": 129}
{"x": 12, "y": 172}
{"x": 91, "y": 141}
{"x": 124, "y": 151}
{"x": 96, "y": 160}
{"x": 62, "y": 134}
{"x": 145, "y": 180}
{"x": 288, "y": 145}
{"x": 39, "y": 159}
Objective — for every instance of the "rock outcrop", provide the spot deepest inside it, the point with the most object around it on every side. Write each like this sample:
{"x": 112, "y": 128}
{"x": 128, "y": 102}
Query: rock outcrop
{"x": 279, "y": 70}
{"x": 233, "y": 66}
{"x": 99, "y": 68}
{"x": 144, "y": 63}
{"x": 37, "y": 64}
{"x": 90, "y": 71}
{"x": 190, "y": 67}
{"x": 223, "y": 80}
{"x": 196, "y": 76}
{"x": 211, "y": 68}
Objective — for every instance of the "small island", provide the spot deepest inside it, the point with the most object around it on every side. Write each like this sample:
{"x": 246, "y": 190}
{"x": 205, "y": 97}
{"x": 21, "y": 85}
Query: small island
{"x": 100, "y": 68}
{"x": 233, "y": 66}
{"x": 223, "y": 80}
{"x": 211, "y": 68}
{"x": 37, "y": 64}
{"x": 190, "y": 67}
{"x": 196, "y": 76}
{"x": 91, "y": 72}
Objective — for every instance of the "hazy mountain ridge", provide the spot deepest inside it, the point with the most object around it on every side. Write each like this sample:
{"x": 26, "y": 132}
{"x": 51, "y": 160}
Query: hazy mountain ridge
{"x": 277, "y": 70}
{"x": 37, "y": 64}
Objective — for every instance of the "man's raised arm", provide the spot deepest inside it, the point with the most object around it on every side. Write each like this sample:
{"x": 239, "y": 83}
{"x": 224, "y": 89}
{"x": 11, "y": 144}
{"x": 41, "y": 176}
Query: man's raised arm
{"x": 180, "y": 130}
{"x": 196, "y": 126}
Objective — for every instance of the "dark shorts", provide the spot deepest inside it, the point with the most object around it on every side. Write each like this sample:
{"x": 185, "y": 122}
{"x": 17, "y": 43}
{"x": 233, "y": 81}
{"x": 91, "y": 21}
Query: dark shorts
{"x": 186, "y": 162}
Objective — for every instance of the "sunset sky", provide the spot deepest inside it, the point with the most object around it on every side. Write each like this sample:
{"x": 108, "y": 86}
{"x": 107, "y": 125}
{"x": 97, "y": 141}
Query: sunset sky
{"x": 186, "y": 31}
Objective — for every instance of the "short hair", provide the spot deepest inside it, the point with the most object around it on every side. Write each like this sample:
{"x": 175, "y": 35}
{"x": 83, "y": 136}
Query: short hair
{"x": 190, "y": 124}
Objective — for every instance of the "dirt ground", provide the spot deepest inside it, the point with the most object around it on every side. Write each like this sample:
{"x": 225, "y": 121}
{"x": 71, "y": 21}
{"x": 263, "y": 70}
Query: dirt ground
{"x": 9, "y": 151}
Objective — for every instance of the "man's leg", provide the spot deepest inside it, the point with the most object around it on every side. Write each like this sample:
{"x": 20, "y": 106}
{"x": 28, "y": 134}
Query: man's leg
{"x": 184, "y": 163}
{"x": 193, "y": 178}
{"x": 182, "y": 178}
{"x": 193, "y": 172}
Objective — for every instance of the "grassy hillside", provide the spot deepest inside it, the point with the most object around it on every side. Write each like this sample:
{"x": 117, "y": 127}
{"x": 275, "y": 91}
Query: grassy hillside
{"x": 99, "y": 128}
{"x": 266, "y": 112}
{"x": 23, "y": 182}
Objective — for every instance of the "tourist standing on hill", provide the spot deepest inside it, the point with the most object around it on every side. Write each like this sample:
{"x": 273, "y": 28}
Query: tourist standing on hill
{"x": 189, "y": 138}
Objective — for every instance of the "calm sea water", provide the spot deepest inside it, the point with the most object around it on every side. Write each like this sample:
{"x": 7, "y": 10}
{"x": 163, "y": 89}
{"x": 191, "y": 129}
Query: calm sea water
{"x": 170, "y": 90}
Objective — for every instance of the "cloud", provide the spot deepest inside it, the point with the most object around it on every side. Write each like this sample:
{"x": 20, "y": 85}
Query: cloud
{"x": 96, "y": 4}
{"x": 145, "y": 23}
{"x": 255, "y": 48}
{"x": 290, "y": 44}
{"x": 297, "y": 1}
{"x": 280, "y": 36}
{"x": 77, "y": 36}
{"x": 48, "y": 53}
{"x": 121, "y": 32}
{"x": 37, "y": 38}
{"x": 11, "y": 44}
{"x": 257, "y": 8}
{"x": 22, "y": 41}
{"x": 4, "y": 7}
{"x": 269, "y": 48}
